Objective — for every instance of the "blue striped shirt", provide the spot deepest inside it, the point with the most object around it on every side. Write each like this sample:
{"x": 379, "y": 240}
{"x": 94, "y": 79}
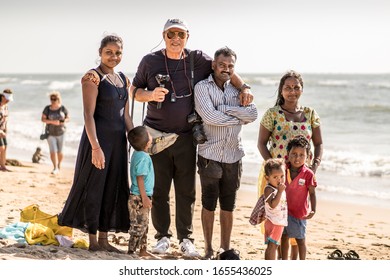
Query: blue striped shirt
{"x": 223, "y": 118}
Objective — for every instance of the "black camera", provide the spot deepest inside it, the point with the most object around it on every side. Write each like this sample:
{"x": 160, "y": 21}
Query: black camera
{"x": 197, "y": 129}
{"x": 162, "y": 80}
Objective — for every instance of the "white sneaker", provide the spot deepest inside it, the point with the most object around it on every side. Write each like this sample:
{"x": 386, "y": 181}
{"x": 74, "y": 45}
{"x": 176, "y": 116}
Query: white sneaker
{"x": 188, "y": 248}
{"x": 162, "y": 246}
{"x": 55, "y": 171}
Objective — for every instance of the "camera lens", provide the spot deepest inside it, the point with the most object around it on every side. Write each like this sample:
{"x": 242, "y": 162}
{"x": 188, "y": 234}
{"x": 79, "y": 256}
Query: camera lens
{"x": 191, "y": 118}
{"x": 198, "y": 134}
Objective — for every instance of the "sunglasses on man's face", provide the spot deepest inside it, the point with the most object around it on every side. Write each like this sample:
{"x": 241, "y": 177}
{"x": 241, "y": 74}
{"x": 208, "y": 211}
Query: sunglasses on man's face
{"x": 180, "y": 34}
{"x": 53, "y": 99}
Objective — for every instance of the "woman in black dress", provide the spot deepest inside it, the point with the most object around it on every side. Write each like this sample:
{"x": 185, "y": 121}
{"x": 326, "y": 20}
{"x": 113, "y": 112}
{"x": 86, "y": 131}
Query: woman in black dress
{"x": 98, "y": 198}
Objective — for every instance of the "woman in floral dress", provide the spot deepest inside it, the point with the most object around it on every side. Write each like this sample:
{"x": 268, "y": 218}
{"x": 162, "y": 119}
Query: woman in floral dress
{"x": 288, "y": 118}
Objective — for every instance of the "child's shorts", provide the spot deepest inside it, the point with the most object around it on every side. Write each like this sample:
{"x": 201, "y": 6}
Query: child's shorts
{"x": 293, "y": 242}
{"x": 296, "y": 228}
{"x": 273, "y": 233}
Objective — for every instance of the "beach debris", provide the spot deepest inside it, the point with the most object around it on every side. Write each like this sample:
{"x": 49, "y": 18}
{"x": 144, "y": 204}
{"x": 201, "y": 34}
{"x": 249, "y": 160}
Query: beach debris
{"x": 13, "y": 162}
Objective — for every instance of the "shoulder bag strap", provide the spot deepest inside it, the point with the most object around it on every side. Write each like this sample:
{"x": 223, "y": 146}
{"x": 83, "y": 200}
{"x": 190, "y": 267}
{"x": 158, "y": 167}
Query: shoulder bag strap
{"x": 132, "y": 102}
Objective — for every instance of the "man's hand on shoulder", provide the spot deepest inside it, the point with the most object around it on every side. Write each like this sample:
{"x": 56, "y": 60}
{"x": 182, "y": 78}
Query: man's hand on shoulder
{"x": 246, "y": 96}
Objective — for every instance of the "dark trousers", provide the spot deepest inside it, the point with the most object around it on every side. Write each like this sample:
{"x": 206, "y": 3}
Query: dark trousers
{"x": 176, "y": 163}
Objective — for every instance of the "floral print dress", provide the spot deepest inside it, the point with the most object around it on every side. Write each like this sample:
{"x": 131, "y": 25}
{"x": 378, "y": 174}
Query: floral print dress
{"x": 282, "y": 130}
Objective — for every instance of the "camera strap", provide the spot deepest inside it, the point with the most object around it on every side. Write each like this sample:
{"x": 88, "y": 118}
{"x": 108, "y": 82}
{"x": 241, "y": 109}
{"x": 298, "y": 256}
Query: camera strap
{"x": 192, "y": 67}
{"x": 192, "y": 81}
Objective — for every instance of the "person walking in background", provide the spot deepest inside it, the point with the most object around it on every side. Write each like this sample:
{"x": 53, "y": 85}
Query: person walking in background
{"x": 141, "y": 190}
{"x": 219, "y": 158}
{"x": 177, "y": 162}
{"x": 300, "y": 184}
{"x": 285, "y": 120}
{"x": 5, "y": 98}
{"x": 55, "y": 116}
{"x": 275, "y": 205}
{"x": 98, "y": 198}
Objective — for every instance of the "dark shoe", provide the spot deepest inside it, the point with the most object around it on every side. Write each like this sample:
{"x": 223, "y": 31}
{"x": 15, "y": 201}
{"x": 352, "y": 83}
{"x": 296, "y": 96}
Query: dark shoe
{"x": 351, "y": 255}
{"x": 230, "y": 254}
{"x": 336, "y": 255}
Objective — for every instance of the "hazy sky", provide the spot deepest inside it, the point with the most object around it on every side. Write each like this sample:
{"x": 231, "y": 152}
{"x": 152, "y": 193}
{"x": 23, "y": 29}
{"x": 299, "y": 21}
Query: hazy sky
{"x": 337, "y": 36}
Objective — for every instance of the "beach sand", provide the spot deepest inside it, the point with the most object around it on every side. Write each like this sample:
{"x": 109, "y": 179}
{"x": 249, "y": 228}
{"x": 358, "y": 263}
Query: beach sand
{"x": 335, "y": 225}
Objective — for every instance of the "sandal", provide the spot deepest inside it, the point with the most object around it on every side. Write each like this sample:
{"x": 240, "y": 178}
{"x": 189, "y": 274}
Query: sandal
{"x": 351, "y": 255}
{"x": 336, "y": 255}
{"x": 112, "y": 238}
{"x": 122, "y": 241}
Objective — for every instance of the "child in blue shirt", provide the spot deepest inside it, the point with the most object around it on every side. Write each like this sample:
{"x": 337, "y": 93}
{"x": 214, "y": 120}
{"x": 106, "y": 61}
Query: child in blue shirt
{"x": 141, "y": 190}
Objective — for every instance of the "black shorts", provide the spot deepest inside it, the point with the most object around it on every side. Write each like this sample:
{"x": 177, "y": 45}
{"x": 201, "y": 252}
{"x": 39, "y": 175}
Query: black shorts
{"x": 219, "y": 181}
{"x": 3, "y": 141}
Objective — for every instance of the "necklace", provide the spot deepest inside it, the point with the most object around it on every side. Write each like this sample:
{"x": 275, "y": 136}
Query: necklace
{"x": 298, "y": 110}
{"x": 173, "y": 94}
{"x": 117, "y": 89}
{"x": 177, "y": 66}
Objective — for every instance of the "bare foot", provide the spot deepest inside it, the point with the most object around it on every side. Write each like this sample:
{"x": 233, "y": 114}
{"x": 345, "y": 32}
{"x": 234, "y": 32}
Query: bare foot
{"x": 144, "y": 253}
{"x": 110, "y": 248}
{"x": 95, "y": 248}
{"x": 209, "y": 255}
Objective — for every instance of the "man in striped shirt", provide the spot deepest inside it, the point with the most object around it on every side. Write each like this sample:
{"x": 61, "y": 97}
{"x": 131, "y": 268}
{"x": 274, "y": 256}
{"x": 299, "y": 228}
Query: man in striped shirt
{"x": 219, "y": 158}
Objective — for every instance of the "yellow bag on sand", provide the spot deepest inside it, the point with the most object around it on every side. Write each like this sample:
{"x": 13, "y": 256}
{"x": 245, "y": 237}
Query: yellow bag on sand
{"x": 80, "y": 243}
{"x": 39, "y": 234}
{"x": 32, "y": 214}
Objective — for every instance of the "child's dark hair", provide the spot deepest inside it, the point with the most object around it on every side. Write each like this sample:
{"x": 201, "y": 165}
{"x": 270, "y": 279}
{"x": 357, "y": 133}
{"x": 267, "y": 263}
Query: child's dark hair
{"x": 299, "y": 141}
{"x": 138, "y": 137}
{"x": 273, "y": 164}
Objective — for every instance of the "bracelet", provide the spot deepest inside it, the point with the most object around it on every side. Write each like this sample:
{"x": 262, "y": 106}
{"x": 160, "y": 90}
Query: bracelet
{"x": 318, "y": 160}
{"x": 96, "y": 148}
{"x": 244, "y": 86}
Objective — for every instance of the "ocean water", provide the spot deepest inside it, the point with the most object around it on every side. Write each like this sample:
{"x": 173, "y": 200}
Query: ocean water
{"x": 354, "y": 110}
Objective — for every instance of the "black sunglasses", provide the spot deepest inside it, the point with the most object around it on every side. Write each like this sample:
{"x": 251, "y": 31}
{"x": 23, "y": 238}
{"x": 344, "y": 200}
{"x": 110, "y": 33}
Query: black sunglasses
{"x": 181, "y": 34}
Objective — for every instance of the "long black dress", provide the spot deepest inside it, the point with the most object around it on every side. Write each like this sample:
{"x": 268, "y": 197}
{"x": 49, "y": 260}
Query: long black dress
{"x": 98, "y": 198}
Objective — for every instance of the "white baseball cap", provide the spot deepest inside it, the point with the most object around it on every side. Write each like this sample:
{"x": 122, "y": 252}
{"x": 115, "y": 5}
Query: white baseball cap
{"x": 175, "y": 23}
{"x": 8, "y": 94}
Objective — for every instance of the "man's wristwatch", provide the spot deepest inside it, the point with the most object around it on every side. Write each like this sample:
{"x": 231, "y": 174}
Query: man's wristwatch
{"x": 244, "y": 86}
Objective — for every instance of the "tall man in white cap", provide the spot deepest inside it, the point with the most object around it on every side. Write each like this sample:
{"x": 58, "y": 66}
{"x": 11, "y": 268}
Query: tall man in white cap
{"x": 5, "y": 97}
{"x": 167, "y": 111}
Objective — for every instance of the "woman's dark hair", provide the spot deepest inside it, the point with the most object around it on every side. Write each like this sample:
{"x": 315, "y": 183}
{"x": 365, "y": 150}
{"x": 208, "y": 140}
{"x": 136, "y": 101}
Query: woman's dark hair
{"x": 289, "y": 74}
{"x": 138, "y": 137}
{"x": 110, "y": 39}
{"x": 299, "y": 141}
{"x": 273, "y": 164}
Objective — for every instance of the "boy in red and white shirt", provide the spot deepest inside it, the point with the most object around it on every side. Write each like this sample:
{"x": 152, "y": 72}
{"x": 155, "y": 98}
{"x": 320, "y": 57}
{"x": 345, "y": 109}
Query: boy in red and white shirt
{"x": 300, "y": 184}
